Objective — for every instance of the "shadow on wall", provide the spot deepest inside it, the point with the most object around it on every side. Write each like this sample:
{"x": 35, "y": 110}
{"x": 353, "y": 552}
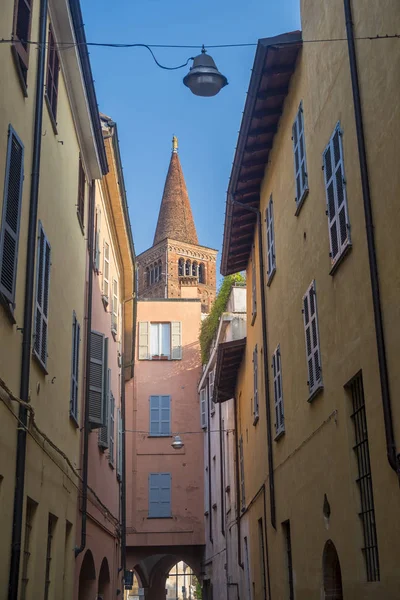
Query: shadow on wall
{"x": 190, "y": 361}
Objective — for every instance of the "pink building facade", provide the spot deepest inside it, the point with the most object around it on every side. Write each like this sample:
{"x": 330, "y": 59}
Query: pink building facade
{"x": 165, "y": 511}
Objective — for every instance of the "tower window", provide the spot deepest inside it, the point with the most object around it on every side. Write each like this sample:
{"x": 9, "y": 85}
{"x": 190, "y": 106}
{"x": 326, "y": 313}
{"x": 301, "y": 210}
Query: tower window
{"x": 195, "y": 269}
{"x": 181, "y": 267}
{"x": 202, "y": 273}
{"x": 188, "y": 268}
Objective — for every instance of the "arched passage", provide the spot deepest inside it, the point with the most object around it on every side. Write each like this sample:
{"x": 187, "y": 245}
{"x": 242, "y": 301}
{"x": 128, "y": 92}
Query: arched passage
{"x": 104, "y": 587}
{"x": 332, "y": 574}
{"x": 87, "y": 578}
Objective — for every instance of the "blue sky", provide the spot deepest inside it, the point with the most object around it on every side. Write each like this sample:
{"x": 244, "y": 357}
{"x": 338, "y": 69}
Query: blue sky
{"x": 150, "y": 105}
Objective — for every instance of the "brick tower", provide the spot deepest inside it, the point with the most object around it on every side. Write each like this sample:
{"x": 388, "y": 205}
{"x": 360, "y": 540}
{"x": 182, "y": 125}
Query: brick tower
{"x": 177, "y": 266}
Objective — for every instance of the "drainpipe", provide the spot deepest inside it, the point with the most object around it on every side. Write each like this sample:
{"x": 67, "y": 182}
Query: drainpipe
{"x": 210, "y": 508}
{"x": 28, "y": 314}
{"x": 239, "y": 548}
{"x": 268, "y": 582}
{"x": 392, "y": 455}
{"x": 86, "y": 423}
{"x": 271, "y": 477}
{"x": 221, "y": 470}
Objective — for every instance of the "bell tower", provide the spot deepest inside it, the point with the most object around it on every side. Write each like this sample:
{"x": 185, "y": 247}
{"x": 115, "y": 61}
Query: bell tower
{"x": 177, "y": 266}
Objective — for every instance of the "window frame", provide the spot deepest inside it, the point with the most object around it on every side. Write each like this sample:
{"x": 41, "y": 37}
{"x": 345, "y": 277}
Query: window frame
{"x": 106, "y": 278}
{"x": 312, "y": 346}
{"x": 210, "y": 387}
{"x": 278, "y": 385}
{"x": 297, "y": 135}
{"x": 52, "y": 77}
{"x": 203, "y": 407}
{"x": 160, "y": 355}
{"x": 20, "y": 53}
{"x": 271, "y": 253}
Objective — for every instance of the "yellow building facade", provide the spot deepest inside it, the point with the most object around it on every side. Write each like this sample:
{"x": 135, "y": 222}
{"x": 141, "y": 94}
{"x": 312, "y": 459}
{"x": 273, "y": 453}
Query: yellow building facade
{"x": 319, "y": 496}
{"x": 51, "y": 140}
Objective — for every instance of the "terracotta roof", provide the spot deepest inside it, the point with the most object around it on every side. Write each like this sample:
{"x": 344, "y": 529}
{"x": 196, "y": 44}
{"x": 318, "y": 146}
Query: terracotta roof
{"x": 274, "y": 64}
{"x": 175, "y": 219}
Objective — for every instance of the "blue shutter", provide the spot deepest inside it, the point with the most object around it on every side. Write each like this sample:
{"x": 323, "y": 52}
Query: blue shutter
{"x": 75, "y": 367}
{"x": 42, "y": 297}
{"x": 159, "y": 495}
{"x": 160, "y": 415}
{"x": 9, "y": 231}
{"x": 336, "y": 197}
{"x": 155, "y": 415}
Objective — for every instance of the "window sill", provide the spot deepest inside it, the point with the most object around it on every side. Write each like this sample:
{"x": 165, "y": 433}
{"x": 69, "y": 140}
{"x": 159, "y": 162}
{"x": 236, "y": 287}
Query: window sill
{"x": 300, "y": 203}
{"x": 21, "y": 79}
{"x": 271, "y": 276}
{"x": 158, "y": 357}
{"x": 256, "y": 419}
{"x": 74, "y": 420}
{"x": 39, "y": 362}
{"x": 159, "y": 435}
{"x": 316, "y": 392}
{"x": 8, "y": 308}
{"x": 52, "y": 118}
{"x": 78, "y": 214}
{"x": 279, "y": 434}
{"x": 152, "y": 518}
{"x": 340, "y": 259}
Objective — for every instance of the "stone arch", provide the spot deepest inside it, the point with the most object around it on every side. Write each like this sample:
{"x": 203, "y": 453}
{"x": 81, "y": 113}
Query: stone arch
{"x": 104, "y": 586}
{"x": 332, "y": 574}
{"x": 87, "y": 578}
{"x": 188, "y": 269}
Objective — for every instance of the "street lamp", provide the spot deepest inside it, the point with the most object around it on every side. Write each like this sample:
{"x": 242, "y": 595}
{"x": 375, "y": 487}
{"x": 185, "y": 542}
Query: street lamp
{"x": 203, "y": 78}
{"x": 177, "y": 444}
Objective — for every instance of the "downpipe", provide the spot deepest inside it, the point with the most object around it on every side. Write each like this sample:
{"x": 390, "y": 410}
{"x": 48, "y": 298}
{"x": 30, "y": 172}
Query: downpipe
{"x": 28, "y": 311}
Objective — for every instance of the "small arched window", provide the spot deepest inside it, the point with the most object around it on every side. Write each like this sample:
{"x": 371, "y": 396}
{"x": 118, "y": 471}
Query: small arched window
{"x": 181, "y": 267}
{"x": 159, "y": 271}
{"x": 152, "y": 274}
{"x": 147, "y": 277}
{"x": 187, "y": 268}
{"x": 202, "y": 273}
{"x": 194, "y": 269}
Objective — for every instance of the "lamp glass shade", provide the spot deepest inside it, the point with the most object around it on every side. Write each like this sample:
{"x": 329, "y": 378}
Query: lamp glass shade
{"x": 203, "y": 78}
{"x": 177, "y": 444}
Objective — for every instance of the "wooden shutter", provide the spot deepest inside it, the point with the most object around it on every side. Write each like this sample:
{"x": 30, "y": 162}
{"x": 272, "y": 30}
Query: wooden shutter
{"x": 271, "y": 264}
{"x": 119, "y": 441}
{"x": 104, "y": 431}
{"x": 9, "y": 231}
{"x": 106, "y": 271}
{"x": 114, "y": 313}
{"x": 203, "y": 403}
{"x": 299, "y": 150}
{"x": 21, "y": 31}
{"x": 176, "y": 339}
{"x": 336, "y": 198}
{"x": 160, "y": 415}
{"x": 96, "y": 250}
{"x": 111, "y": 430}
{"x": 96, "y": 380}
{"x": 144, "y": 340}
{"x": 253, "y": 285}
{"x": 255, "y": 383}
{"x": 312, "y": 339}
{"x": 53, "y": 67}
{"x": 159, "y": 495}
{"x": 73, "y": 408}
{"x": 241, "y": 464}
{"x": 278, "y": 392}
{"x": 42, "y": 297}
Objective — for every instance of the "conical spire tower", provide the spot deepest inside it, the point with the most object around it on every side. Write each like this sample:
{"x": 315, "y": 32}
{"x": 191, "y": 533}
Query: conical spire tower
{"x": 175, "y": 219}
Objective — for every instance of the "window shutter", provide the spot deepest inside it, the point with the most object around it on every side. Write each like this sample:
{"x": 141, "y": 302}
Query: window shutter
{"x": 104, "y": 431}
{"x": 271, "y": 264}
{"x": 114, "y": 314}
{"x": 176, "y": 338}
{"x": 255, "y": 383}
{"x": 73, "y": 407}
{"x": 97, "y": 240}
{"x": 336, "y": 198}
{"x": 120, "y": 438}
{"x": 144, "y": 333}
{"x": 106, "y": 271}
{"x": 155, "y": 402}
{"x": 211, "y": 376}
{"x": 312, "y": 339}
{"x": 160, "y": 415}
{"x": 9, "y": 232}
{"x": 42, "y": 297}
{"x": 241, "y": 464}
{"x": 299, "y": 150}
{"x": 96, "y": 380}
{"x": 203, "y": 413}
{"x": 159, "y": 495}
{"x": 253, "y": 286}
{"x": 111, "y": 430}
{"x": 278, "y": 392}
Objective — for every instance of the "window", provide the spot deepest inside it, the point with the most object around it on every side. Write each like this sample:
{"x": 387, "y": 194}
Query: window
{"x": 147, "y": 277}
{"x": 202, "y": 273}
{"x": 159, "y": 495}
{"x": 67, "y": 556}
{"x": 98, "y": 380}
{"x": 111, "y": 430}
{"x": 289, "y": 564}
{"x": 211, "y": 376}
{"x": 9, "y": 230}
{"x": 42, "y": 297}
{"x": 255, "y": 386}
{"x": 241, "y": 464}
{"x": 30, "y": 514}
{"x": 96, "y": 249}
{"x": 195, "y": 269}
{"x": 106, "y": 273}
{"x": 76, "y": 330}
{"x": 53, "y": 67}
{"x": 278, "y": 392}
{"x": 181, "y": 267}
{"x": 120, "y": 442}
{"x": 313, "y": 352}
{"x": 300, "y": 164}
{"x": 81, "y": 193}
{"x": 261, "y": 550}
{"x": 271, "y": 262}
{"x": 364, "y": 479}
{"x": 51, "y": 525}
{"x": 336, "y": 198}
{"x": 160, "y": 415}
{"x": 188, "y": 270}
{"x": 114, "y": 314}
{"x": 160, "y": 341}
{"x": 203, "y": 410}
{"x": 253, "y": 287}
{"x": 104, "y": 431}
{"x": 21, "y": 34}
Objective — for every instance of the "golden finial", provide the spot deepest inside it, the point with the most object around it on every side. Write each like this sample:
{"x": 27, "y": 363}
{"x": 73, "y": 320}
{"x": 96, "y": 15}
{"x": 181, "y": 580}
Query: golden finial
{"x": 175, "y": 144}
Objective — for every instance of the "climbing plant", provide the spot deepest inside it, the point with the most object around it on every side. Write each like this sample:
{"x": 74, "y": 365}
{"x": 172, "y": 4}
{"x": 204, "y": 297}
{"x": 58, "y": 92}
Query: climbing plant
{"x": 209, "y": 326}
